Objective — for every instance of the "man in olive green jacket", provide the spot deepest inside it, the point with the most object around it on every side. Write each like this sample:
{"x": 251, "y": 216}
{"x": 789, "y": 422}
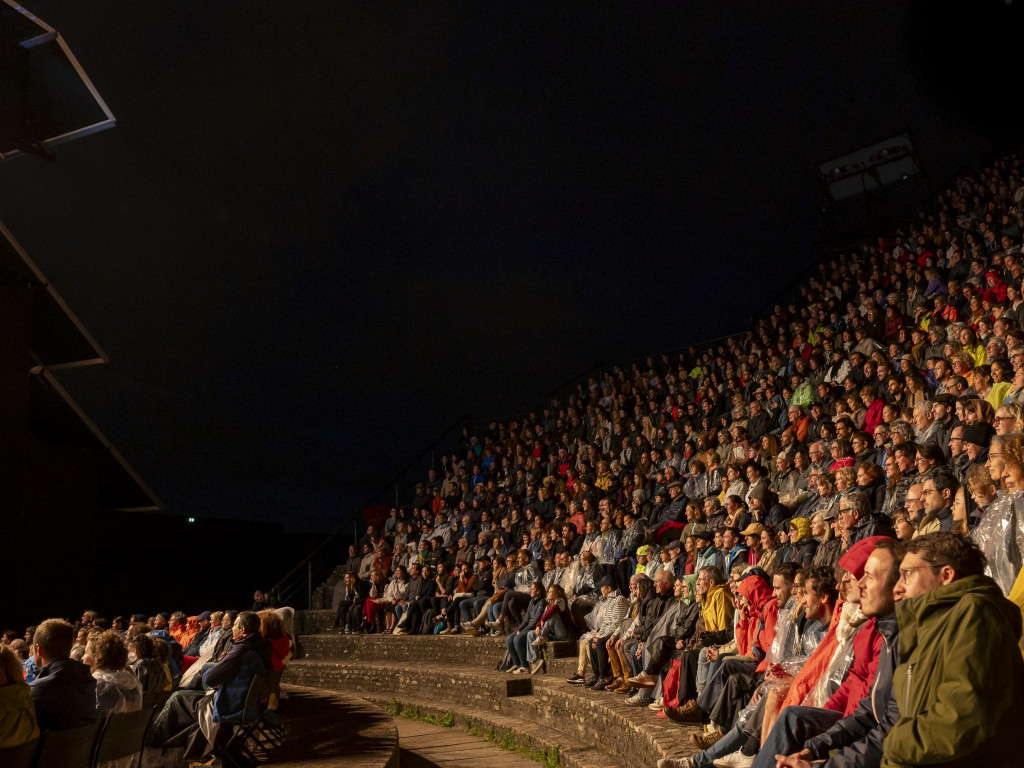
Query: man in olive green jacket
{"x": 960, "y": 682}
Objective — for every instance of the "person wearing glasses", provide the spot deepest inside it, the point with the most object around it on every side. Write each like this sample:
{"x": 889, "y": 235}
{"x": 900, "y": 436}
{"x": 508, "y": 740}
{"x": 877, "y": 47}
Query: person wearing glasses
{"x": 856, "y": 516}
{"x": 963, "y": 713}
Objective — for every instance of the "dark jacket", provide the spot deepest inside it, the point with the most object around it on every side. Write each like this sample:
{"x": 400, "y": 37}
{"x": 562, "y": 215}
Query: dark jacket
{"x": 233, "y": 674}
{"x": 64, "y": 694}
{"x": 872, "y": 525}
{"x": 483, "y": 584}
{"x": 198, "y": 640}
{"x": 802, "y": 552}
{"x": 532, "y": 614}
{"x": 151, "y": 675}
{"x": 859, "y": 736}
{"x": 651, "y": 609}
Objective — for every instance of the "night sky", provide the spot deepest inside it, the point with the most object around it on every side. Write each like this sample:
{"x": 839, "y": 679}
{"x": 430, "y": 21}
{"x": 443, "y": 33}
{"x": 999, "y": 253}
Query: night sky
{"x": 323, "y": 231}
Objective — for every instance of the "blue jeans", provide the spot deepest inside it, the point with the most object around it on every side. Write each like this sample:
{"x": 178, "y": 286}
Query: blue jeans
{"x": 729, "y": 743}
{"x": 636, "y": 665}
{"x": 795, "y": 726}
{"x": 553, "y": 629}
{"x": 518, "y": 645}
{"x": 471, "y": 606}
{"x": 702, "y": 669}
{"x": 493, "y": 611}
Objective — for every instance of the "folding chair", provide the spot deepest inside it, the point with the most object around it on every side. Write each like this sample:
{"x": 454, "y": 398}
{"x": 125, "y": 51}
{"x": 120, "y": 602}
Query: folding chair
{"x": 122, "y": 735}
{"x": 242, "y": 747}
{"x": 269, "y": 732}
{"x": 73, "y": 748}
{"x": 19, "y": 756}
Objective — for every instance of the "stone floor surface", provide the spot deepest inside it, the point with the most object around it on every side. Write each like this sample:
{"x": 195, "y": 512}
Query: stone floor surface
{"x": 326, "y": 729}
{"x": 433, "y": 745}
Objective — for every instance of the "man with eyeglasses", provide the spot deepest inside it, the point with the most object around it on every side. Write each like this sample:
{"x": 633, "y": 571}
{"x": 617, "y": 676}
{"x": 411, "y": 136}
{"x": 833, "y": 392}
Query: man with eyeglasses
{"x": 959, "y": 686}
{"x": 1017, "y": 358}
{"x": 855, "y": 513}
{"x": 915, "y": 502}
{"x": 819, "y": 456}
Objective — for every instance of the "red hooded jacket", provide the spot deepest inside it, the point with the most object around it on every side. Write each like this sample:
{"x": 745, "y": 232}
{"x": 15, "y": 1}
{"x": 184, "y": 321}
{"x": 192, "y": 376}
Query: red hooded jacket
{"x": 867, "y": 647}
{"x": 755, "y": 630}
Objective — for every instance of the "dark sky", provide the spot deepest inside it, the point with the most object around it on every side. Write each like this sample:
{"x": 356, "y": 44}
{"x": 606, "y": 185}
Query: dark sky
{"x": 322, "y": 231}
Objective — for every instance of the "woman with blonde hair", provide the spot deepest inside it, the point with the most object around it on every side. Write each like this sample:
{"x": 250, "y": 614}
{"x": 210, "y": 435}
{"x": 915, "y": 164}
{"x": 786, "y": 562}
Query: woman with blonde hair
{"x": 1000, "y": 532}
{"x": 981, "y": 486}
{"x": 846, "y": 478}
{"x": 1009, "y": 418}
{"x": 17, "y": 712}
{"x": 272, "y": 628}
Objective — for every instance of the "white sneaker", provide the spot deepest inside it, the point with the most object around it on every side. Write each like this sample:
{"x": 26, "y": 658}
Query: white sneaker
{"x": 675, "y": 762}
{"x": 656, "y": 704}
{"x": 735, "y": 760}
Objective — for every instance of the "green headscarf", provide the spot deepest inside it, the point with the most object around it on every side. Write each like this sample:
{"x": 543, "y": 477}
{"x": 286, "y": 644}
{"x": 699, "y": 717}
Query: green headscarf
{"x": 691, "y": 588}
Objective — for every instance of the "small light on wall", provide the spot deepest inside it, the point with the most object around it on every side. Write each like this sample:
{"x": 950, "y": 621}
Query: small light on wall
{"x": 191, "y": 519}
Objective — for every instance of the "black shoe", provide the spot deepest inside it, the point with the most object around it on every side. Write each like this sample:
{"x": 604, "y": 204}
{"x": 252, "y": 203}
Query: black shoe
{"x": 592, "y": 681}
{"x": 602, "y": 684}
{"x": 575, "y": 680}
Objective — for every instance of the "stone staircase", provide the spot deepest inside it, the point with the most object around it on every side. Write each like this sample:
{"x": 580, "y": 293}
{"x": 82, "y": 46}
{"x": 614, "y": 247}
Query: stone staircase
{"x": 457, "y": 674}
{"x": 324, "y": 594}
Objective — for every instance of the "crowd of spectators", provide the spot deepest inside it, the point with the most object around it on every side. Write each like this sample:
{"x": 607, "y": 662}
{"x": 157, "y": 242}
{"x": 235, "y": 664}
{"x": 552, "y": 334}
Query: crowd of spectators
{"x": 740, "y": 536}
{"x": 196, "y": 670}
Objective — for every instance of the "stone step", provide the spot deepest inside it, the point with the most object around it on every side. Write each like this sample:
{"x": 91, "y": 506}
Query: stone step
{"x": 313, "y": 740}
{"x": 571, "y": 754}
{"x": 633, "y": 735}
{"x": 484, "y": 652}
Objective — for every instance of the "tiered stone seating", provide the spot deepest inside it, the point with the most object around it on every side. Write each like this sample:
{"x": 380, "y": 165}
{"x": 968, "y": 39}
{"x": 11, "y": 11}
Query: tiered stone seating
{"x": 457, "y": 673}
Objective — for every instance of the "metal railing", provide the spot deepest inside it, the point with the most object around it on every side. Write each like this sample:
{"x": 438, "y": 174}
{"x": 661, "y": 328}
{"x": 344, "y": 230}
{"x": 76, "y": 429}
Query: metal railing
{"x": 297, "y": 586}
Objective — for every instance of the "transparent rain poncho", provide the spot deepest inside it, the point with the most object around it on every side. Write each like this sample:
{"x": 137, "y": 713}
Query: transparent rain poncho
{"x": 850, "y": 623}
{"x": 790, "y": 649}
{"x": 1000, "y": 535}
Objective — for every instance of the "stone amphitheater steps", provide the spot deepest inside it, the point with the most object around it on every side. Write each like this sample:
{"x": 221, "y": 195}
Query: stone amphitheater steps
{"x": 534, "y": 735}
{"x": 484, "y": 652}
{"x": 420, "y": 668}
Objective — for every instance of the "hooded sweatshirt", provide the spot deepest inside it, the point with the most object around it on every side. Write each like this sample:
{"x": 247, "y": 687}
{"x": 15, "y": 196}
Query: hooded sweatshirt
{"x": 756, "y": 629}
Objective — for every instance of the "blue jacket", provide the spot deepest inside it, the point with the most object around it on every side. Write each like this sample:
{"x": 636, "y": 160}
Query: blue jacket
{"x": 233, "y": 675}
